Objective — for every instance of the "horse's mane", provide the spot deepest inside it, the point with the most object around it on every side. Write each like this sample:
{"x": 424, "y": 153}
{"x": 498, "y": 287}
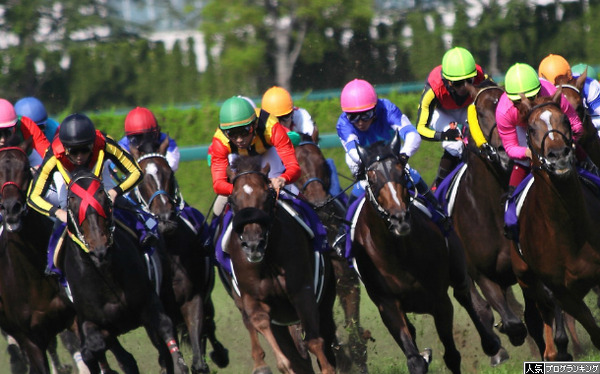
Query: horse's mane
{"x": 246, "y": 163}
{"x": 378, "y": 149}
{"x": 542, "y": 100}
{"x": 488, "y": 82}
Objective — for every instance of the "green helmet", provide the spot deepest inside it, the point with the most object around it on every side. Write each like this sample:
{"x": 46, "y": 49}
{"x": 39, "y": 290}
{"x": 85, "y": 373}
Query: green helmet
{"x": 521, "y": 78}
{"x": 236, "y": 112}
{"x": 458, "y": 64}
{"x": 580, "y": 68}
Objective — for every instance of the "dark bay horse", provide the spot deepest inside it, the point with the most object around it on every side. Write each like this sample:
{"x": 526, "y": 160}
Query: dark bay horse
{"x": 478, "y": 211}
{"x": 314, "y": 185}
{"x": 33, "y": 307}
{"x": 559, "y": 241}
{"x": 111, "y": 290}
{"x": 407, "y": 263}
{"x": 275, "y": 271}
{"x": 186, "y": 288}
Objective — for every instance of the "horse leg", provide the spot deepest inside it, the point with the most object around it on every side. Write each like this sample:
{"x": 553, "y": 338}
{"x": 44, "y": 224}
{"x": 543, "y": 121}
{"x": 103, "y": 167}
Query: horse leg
{"x": 443, "y": 318}
{"x": 510, "y": 324}
{"x": 125, "y": 359}
{"x": 348, "y": 291}
{"x": 572, "y": 329}
{"x": 288, "y": 345}
{"x": 193, "y": 315}
{"x": 71, "y": 342}
{"x": 219, "y": 355}
{"x": 18, "y": 362}
{"x": 580, "y": 311}
{"x": 556, "y": 347}
{"x": 93, "y": 347}
{"x": 36, "y": 355}
{"x": 57, "y": 365}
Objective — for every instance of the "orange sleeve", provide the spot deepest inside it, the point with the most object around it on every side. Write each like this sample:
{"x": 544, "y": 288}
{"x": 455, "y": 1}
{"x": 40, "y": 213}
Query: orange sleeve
{"x": 218, "y": 167}
{"x": 285, "y": 149}
{"x": 31, "y": 130}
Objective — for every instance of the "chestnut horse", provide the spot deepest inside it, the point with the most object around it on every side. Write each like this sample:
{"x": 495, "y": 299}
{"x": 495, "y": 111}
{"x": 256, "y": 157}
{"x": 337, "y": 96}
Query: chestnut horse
{"x": 407, "y": 263}
{"x": 314, "y": 185}
{"x": 275, "y": 272}
{"x": 33, "y": 307}
{"x": 478, "y": 213}
{"x": 112, "y": 293}
{"x": 559, "y": 246}
{"x": 186, "y": 289}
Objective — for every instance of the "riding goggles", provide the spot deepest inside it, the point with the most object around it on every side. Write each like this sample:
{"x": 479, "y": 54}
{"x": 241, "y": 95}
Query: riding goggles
{"x": 286, "y": 117}
{"x": 239, "y": 132}
{"x": 77, "y": 150}
{"x": 362, "y": 116}
{"x": 461, "y": 82}
{"x": 136, "y": 140}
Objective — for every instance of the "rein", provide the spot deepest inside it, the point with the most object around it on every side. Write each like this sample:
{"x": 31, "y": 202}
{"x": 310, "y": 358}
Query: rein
{"x": 177, "y": 200}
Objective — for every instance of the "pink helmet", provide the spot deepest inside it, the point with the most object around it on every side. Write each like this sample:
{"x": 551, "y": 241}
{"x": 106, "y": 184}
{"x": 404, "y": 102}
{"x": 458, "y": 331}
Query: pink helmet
{"x": 8, "y": 116}
{"x": 358, "y": 96}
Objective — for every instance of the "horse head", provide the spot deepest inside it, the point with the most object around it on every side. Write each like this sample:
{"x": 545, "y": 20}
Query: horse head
{"x": 15, "y": 176}
{"x": 158, "y": 192}
{"x": 387, "y": 183}
{"x": 90, "y": 217}
{"x": 549, "y": 135}
{"x": 252, "y": 202}
{"x": 314, "y": 182}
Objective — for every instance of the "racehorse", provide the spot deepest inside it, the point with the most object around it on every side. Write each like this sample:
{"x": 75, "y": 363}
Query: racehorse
{"x": 275, "y": 270}
{"x": 559, "y": 245}
{"x": 478, "y": 211}
{"x": 111, "y": 290}
{"x": 187, "y": 287}
{"x": 33, "y": 307}
{"x": 573, "y": 89}
{"x": 406, "y": 262}
{"x": 314, "y": 185}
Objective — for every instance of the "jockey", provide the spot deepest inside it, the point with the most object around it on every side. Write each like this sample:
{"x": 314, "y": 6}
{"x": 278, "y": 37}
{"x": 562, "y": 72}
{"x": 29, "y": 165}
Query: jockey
{"x": 523, "y": 79}
{"x": 278, "y": 102}
{"x": 245, "y": 131}
{"x": 34, "y": 109}
{"x": 79, "y": 144}
{"x": 366, "y": 120}
{"x": 15, "y": 130}
{"x": 554, "y": 66}
{"x": 142, "y": 130}
{"x": 444, "y": 106}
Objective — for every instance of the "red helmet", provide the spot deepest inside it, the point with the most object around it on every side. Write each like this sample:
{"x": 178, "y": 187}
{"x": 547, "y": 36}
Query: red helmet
{"x": 140, "y": 120}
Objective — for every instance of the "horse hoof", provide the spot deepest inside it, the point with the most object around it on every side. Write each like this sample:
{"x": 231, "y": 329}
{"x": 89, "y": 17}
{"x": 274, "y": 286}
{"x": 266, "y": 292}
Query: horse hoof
{"x": 64, "y": 369}
{"x": 499, "y": 357}
{"x": 17, "y": 361}
{"x": 427, "y": 355}
{"x": 262, "y": 370}
{"x": 203, "y": 370}
{"x": 517, "y": 335}
{"x": 220, "y": 355}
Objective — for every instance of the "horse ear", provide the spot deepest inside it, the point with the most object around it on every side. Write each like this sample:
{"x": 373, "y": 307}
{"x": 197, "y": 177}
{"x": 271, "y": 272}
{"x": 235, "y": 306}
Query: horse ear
{"x": 557, "y": 95}
{"x": 230, "y": 173}
{"x": 134, "y": 152}
{"x": 396, "y": 144}
{"x": 473, "y": 91}
{"x": 266, "y": 169}
{"x": 25, "y": 144}
{"x": 162, "y": 148}
{"x": 580, "y": 82}
{"x": 362, "y": 154}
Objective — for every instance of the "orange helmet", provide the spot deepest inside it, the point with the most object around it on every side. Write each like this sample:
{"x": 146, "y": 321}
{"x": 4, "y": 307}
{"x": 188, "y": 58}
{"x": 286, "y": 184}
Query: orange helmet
{"x": 553, "y": 66}
{"x": 277, "y": 101}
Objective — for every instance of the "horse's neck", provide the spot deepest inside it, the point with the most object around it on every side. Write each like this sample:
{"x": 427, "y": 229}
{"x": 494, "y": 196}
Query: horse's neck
{"x": 480, "y": 168}
{"x": 559, "y": 195}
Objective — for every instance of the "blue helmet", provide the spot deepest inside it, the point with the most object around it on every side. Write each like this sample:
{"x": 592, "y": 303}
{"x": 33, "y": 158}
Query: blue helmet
{"x": 32, "y": 108}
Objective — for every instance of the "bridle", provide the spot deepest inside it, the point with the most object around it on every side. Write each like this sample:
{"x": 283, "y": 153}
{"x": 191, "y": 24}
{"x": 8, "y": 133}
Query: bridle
{"x": 487, "y": 150}
{"x": 22, "y": 191}
{"x": 313, "y": 179}
{"x": 177, "y": 200}
{"x": 545, "y": 164}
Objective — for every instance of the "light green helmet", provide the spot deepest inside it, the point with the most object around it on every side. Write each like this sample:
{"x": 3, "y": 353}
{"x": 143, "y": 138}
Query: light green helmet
{"x": 580, "y": 68}
{"x": 458, "y": 64}
{"x": 521, "y": 78}
{"x": 236, "y": 112}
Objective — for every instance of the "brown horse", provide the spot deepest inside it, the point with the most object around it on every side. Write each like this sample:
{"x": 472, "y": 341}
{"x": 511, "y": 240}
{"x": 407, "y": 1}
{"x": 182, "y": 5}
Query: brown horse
{"x": 33, "y": 307}
{"x": 275, "y": 269}
{"x": 407, "y": 263}
{"x": 559, "y": 244}
{"x": 573, "y": 89}
{"x": 186, "y": 288}
{"x": 478, "y": 213}
{"x": 112, "y": 293}
{"x": 314, "y": 185}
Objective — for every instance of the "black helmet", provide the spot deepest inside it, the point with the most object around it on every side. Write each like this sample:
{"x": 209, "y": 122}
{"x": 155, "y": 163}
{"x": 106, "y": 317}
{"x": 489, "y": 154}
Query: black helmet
{"x": 77, "y": 129}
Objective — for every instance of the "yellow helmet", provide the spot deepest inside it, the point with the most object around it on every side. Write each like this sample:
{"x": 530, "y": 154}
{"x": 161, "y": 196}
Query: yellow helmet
{"x": 277, "y": 101}
{"x": 552, "y": 66}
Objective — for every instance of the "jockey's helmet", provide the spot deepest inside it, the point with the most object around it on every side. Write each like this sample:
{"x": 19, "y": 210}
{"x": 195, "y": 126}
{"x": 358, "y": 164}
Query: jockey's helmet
{"x": 580, "y": 68}
{"x": 458, "y": 64}
{"x": 139, "y": 121}
{"x": 76, "y": 130}
{"x": 33, "y": 109}
{"x": 277, "y": 101}
{"x": 236, "y": 112}
{"x": 358, "y": 96}
{"x": 553, "y": 66}
{"x": 521, "y": 78}
{"x": 8, "y": 116}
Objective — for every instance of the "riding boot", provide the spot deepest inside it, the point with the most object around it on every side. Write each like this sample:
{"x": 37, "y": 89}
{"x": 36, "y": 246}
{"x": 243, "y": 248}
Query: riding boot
{"x": 339, "y": 243}
{"x": 447, "y": 164}
{"x": 508, "y": 233}
{"x": 422, "y": 188}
